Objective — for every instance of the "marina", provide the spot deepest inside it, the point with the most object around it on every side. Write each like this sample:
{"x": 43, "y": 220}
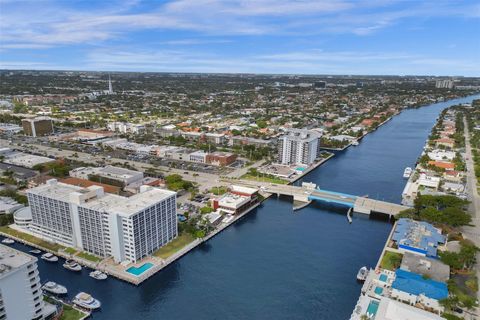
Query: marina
{"x": 271, "y": 237}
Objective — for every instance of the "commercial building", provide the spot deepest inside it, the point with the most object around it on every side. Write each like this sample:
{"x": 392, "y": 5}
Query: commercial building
{"x": 198, "y": 156}
{"x": 20, "y": 289}
{"x": 10, "y": 128}
{"x": 108, "y": 174}
{"x": 221, "y": 158}
{"x": 300, "y": 147}
{"x": 103, "y": 224}
{"x": 417, "y": 237}
{"x": 39, "y": 126}
{"x": 126, "y": 127}
{"x": 236, "y": 200}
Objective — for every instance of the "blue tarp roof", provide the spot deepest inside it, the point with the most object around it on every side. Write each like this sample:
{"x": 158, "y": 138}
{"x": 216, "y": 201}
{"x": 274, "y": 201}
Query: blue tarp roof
{"x": 415, "y": 284}
{"x": 418, "y": 234}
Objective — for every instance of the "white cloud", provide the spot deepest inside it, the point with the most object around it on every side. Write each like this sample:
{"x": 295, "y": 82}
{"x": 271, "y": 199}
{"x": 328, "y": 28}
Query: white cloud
{"x": 52, "y": 23}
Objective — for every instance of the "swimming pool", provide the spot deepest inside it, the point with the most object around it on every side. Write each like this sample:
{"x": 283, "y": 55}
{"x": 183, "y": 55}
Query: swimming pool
{"x": 372, "y": 308}
{"x": 383, "y": 277}
{"x": 379, "y": 290}
{"x": 138, "y": 271}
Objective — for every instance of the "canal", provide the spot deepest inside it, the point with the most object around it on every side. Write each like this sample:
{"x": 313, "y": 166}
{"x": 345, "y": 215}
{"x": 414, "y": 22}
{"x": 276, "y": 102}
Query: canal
{"x": 277, "y": 264}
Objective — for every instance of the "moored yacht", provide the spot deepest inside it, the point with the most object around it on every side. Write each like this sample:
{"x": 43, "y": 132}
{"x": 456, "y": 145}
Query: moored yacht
{"x": 8, "y": 241}
{"x": 86, "y": 301}
{"x": 362, "y": 274}
{"x": 72, "y": 265}
{"x": 49, "y": 257}
{"x": 35, "y": 251}
{"x": 407, "y": 173}
{"x": 55, "y": 288}
{"x": 99, "y": 275}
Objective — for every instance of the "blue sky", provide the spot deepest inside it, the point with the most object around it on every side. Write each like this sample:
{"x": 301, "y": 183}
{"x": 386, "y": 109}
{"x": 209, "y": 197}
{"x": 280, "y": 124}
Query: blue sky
{"x": 253, "y": 36}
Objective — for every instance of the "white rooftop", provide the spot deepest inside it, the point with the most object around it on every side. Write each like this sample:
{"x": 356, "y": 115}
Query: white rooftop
{"x": 106, "y": 202}
{"x": 12, "y": 259}
{"x": 393, "y": 310}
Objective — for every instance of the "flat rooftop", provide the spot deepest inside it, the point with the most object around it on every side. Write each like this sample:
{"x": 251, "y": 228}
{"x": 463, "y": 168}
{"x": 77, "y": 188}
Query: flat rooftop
{"x": 107, "y": 202}
{"x": 11, "y": 259}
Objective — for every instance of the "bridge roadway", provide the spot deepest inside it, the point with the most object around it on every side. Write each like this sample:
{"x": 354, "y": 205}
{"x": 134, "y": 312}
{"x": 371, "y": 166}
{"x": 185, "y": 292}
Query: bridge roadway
{"x": 308, "y": 192}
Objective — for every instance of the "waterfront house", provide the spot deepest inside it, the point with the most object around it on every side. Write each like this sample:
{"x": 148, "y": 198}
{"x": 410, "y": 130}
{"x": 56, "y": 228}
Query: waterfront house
{"x": 442, "y": 165}
{"x": 414, "y": 289}
{"x": 417, "y": 237}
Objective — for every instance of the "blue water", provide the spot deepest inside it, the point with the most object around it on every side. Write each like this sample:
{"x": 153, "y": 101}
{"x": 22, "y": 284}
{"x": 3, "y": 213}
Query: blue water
{"x": 276, "y": 263}
{"x": 139, "y": 270}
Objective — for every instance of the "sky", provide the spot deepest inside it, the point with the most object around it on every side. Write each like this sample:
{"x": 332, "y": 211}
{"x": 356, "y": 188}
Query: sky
{"x": 370, "y": 37}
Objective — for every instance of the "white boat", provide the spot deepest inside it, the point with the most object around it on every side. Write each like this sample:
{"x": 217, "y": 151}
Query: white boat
{"x": 54, "y": 288}
{"x": 407, "y": 173}
{"x": 362, "y": 274}
{"x": 86, "y": 301}
{"x": 99, "y": 275}
{"x": 72, "y": 265}
{"x": 8, "y": 241}
{"x": 49, "y": 257}
{"x": 355, "y": 143}
{"x": 35, "y": 251}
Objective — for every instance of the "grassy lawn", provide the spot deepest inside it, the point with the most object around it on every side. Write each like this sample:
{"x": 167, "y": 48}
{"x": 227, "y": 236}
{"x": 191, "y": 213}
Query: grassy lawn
{"x": 391, "y": 260}
{"x": 70, "y": 251}
{"x": 264, "y": 179}
{"x": 172, "y": 247}
{"x": 69, "y": 313}
{"x": 88, "y": 256}
{"x": 218, "y": 190}
{"x": 27, "y": 237}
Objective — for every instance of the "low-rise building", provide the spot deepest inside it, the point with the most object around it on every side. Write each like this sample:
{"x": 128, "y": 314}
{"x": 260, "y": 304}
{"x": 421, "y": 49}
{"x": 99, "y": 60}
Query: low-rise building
{"x": 236, "y": 200}
{"x": 417, "y": 237}
{"x": 221, "y": 158}
{"x": 198, "y": 156}
{"x": 428, "y": 267}
{"x": 414, "y": 289}
{"x": 107, "y": 174}
{"x": 389, "y": 309}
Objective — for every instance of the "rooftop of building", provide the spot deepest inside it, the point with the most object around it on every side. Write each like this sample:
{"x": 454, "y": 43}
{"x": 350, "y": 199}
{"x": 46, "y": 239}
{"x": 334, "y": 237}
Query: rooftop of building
{"x": 107, "y": 202}
{"x": 12, "y": 259}
{"x": 416, "y": 284}
{"x": 418, "y": 235}
{"x": 389, "y": 309}
{"x": 87, "y": 183}
{"x": 432, "y": 268}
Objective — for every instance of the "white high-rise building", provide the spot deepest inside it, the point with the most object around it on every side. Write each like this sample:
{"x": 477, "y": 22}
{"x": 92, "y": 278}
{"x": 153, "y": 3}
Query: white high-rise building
{"x": 444, "y": 84}
{"x": 299, "y": 146}
{"x": 21, "y": 294}
{"x": 110, "y": 88}
{"x": 104, "y": 224}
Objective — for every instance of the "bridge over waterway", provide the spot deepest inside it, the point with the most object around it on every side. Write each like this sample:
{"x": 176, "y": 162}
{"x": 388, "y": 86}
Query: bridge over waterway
{"x": 309, "y": 192}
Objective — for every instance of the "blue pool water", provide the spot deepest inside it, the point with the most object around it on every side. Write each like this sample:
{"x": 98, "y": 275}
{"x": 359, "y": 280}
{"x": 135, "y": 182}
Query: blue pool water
{"x": 138, "y": 271}
{"x": 378, "y": 290}
{"x": 372, "y": 307}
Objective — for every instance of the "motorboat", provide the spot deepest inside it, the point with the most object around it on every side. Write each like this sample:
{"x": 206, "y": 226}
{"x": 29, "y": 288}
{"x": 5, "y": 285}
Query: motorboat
{"x": 355, "y": 143}
{"x": 55, "y": 288}
{"x": 407, "y": 173}
{"x": 35, "y": 251}
{"x": 8, "y": 241}
{"x": 49, "y": 257}
{"x": 99, "y": 275}
{"x": 362, "y": 274}
{"x": 72, "y": 265}
{"x": 84, "y": 300}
